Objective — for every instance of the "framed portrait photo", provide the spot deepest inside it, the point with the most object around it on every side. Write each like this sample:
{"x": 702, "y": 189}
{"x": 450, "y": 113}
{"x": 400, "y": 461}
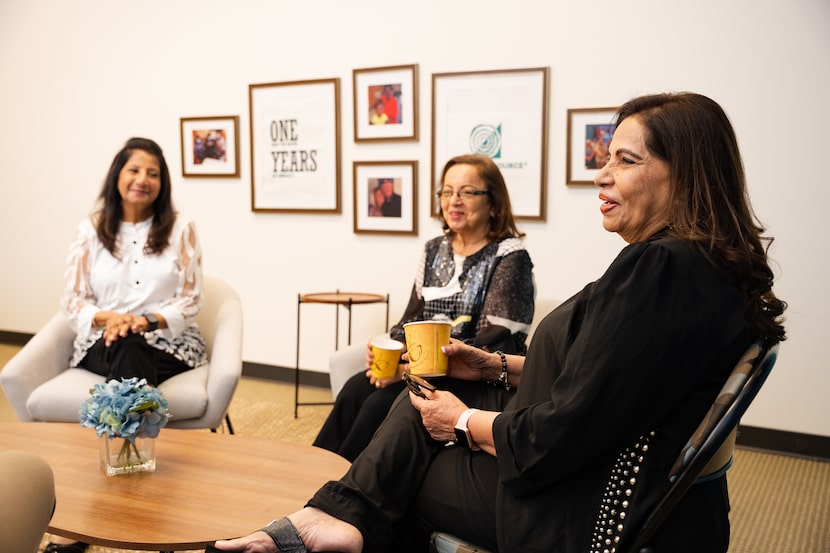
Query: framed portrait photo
{"x": 502, "y": 114}
{"x": 210, "y": 146}
{"x": 589, "y": 133}
{"x": 386, "y": 197}
{"x": 386, "y": 103}
{"x": 295, "y": 146}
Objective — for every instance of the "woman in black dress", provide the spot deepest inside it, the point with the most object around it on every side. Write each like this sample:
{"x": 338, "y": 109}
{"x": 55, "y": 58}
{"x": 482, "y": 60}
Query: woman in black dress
{"x": 616, "y": 378}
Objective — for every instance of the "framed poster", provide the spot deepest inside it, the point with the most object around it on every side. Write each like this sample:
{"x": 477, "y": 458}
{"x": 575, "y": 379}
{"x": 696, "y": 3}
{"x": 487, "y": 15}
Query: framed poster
{"x": 386, "y": 103}
{"x": 502, "y": 114}
{"x": 386, "y": 197}
{"x": 589, "y": 133}
{"x": 210, "y": 146}
{"x": 295, "y": 146}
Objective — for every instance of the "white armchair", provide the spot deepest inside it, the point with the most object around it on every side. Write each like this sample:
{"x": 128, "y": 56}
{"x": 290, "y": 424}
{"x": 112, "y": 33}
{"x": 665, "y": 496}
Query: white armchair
{"x": 41, "y": 387}
{"x": 345, "y": 363}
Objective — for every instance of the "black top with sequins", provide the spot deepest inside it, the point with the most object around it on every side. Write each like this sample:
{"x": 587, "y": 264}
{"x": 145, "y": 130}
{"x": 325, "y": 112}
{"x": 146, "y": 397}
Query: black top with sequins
{"x": 493, "y": 286}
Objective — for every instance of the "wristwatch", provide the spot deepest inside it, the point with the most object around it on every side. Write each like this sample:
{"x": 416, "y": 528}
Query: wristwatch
{"x": 462, "y": 433}
{"x": 152, "y": 321}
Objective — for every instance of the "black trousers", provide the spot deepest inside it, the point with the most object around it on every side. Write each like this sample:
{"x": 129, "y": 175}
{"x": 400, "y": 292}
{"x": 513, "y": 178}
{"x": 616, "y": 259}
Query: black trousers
{"x": 405, "y": 484}
{"x": 357, "y": 413}
{"x": 130, "y": 357}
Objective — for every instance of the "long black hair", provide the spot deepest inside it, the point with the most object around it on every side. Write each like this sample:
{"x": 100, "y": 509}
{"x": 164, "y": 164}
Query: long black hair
{"x": 111, "y": 213}
{"x": 709, "y": 201}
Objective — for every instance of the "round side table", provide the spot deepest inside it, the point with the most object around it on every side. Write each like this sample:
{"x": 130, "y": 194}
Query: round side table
{"x": 338, "y": 299}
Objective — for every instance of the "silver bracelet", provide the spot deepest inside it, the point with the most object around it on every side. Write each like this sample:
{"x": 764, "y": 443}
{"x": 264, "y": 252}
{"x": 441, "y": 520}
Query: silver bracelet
{"x": 503, "y": 377}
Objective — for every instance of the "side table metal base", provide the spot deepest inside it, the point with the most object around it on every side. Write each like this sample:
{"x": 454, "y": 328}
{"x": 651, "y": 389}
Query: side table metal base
{"x": 338, "y": 299}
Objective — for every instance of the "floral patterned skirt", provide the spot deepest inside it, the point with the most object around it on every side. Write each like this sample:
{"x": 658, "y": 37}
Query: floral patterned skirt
{"x": 189, "y": 347}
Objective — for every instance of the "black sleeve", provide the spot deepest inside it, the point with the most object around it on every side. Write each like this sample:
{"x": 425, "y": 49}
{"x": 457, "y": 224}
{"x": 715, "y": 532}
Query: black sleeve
{"x": 644, "y": 343}
{"x": 508, "y": 305}
{"x": 414, "y": 312}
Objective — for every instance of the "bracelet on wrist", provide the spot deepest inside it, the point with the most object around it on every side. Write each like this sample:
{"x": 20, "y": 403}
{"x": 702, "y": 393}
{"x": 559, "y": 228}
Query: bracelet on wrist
{"x": 503, "y": 380}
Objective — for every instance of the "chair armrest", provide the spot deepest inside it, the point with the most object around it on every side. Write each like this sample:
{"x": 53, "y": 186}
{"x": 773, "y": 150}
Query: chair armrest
{"x": 43, "y": 357}
{"x": 225, "y": 359}
{"x": 345, "y": 363}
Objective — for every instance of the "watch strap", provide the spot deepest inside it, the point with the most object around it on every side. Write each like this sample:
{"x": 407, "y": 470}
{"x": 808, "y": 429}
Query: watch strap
{"x": 152, "y": 321}
{"x": 462, "y": 432}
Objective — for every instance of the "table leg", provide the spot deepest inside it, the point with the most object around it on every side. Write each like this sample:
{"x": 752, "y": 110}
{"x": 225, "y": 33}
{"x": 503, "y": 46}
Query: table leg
{"x": 297, "y": 365}
{"x": 387, "y": 312}
{"x": 349, "y": 335}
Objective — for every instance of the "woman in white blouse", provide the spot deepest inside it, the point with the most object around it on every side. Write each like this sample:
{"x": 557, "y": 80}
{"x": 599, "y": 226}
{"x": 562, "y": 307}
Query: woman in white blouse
{"x": 134, "y": 275}
{"x": 133, "y": 282}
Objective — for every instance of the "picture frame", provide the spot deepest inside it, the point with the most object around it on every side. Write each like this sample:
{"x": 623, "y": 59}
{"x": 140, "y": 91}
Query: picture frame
{"x": 499, "y": 113}
{"x": 385, "y": 103}
{"x": 585, "y": 127}
{"x": 210, "y": 146}
{"x": 295, "y": 146}
{"x": 375, "y": 182}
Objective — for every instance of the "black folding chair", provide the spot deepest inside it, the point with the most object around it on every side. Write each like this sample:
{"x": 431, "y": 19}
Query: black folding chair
{"x": 707, "y": 454}
{"x": 713, "y": 440}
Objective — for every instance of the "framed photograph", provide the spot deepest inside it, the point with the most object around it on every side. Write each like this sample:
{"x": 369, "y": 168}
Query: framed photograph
{"x": 386, "y": 103}
{"x": 295, "y": 146}
{"x": 210, "y": 146}
{"x": 502, "y": 114}
{"x": 589, "y": 133}
{"x": 386, "y": 197}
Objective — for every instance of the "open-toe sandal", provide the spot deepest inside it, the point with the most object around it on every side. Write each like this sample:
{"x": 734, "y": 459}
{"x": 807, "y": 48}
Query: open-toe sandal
{"x": 75, "y": 547}
{"x": 285, "y": 536}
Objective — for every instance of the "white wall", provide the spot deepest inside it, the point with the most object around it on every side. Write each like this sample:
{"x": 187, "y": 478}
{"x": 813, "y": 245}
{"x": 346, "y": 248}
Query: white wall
{"x": 78, "y": 78}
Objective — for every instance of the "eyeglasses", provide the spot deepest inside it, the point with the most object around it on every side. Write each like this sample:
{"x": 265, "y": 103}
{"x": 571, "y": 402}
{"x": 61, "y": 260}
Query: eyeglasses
{"x": 465, "y": 193}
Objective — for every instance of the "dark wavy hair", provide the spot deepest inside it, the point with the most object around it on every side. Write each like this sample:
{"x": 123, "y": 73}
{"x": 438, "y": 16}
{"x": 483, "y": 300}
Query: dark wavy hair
{"x": 709, "y": 202}
{"x": 502, "y": 224}
{"x": 109, "y": 216}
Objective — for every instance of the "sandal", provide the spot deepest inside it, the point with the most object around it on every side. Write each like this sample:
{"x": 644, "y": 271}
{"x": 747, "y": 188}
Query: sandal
{"x": 76, "y": 547}
{"x": 285, "y": 536}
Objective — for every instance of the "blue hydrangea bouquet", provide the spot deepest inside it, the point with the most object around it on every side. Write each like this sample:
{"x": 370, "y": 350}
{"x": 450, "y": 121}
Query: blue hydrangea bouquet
{"x": 129, "y": 409}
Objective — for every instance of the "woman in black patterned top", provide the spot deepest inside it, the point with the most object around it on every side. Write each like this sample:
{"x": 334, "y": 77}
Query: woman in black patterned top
{"x": 478, "y": 269}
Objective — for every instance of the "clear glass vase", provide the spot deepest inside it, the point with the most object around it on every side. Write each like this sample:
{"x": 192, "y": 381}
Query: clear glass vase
{"x": 121, "y": 456}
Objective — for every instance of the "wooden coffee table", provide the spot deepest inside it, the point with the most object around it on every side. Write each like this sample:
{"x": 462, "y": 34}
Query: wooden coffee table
{"x": 205, "y": 487}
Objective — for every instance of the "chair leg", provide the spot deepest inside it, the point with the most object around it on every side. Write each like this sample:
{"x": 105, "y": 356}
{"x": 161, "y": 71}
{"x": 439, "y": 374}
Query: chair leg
{"x": 228, "y": 423}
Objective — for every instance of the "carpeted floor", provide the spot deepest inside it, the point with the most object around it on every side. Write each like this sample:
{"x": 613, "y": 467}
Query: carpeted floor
{"x": 780, "y": 504}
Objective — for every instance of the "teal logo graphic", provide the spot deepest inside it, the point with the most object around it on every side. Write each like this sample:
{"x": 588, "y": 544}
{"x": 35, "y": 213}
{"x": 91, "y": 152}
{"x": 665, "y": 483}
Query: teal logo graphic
{"x": 486, "y": 140}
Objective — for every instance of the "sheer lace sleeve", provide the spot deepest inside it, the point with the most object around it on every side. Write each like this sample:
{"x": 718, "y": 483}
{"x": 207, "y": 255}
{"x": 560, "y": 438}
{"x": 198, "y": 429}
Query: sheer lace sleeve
{"x": 181, "y": 309}
{"x": 77, "y": 298}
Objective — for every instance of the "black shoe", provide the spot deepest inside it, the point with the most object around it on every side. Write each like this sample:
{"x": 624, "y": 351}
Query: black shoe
{"x": 76, "y": 547}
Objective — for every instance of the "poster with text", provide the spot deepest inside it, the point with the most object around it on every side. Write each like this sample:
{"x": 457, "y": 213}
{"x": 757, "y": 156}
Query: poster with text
{"x": 295, "y": 146}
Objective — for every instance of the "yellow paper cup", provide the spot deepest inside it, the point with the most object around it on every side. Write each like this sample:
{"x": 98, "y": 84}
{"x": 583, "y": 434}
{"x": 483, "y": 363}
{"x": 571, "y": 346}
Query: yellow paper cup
{"x": 386, "y": 353}
{"x": 424, "y": 340}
